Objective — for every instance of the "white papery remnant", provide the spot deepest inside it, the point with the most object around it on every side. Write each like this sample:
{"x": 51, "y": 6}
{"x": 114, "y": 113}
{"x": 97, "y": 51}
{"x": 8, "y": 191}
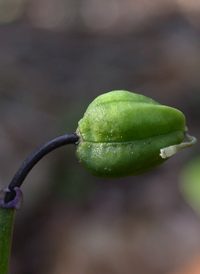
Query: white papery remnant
{"x": 171, "y": 150}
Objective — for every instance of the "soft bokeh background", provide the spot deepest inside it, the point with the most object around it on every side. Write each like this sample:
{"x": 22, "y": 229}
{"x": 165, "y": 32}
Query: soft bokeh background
{"x": 56, "y": 56}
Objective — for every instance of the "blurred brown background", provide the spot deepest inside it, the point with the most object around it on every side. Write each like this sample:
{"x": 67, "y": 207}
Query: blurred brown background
{"x": 56, "y": 56}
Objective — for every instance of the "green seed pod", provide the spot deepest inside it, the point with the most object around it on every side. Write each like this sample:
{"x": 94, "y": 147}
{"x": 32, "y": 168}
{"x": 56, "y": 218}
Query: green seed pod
{"x": 126, "y": 134}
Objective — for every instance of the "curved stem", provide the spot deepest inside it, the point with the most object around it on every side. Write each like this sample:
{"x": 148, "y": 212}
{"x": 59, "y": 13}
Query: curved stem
{"x": 34, "y": 158}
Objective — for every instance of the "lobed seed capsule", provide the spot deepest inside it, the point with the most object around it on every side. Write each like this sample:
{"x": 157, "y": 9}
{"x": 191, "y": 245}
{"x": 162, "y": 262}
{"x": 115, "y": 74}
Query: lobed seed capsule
{"x": 126, "y": 134}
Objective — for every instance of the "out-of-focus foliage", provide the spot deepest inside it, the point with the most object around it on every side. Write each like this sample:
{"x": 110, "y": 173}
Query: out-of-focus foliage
{"x": 190, "y": 183}
{"x": 95, "y": 15}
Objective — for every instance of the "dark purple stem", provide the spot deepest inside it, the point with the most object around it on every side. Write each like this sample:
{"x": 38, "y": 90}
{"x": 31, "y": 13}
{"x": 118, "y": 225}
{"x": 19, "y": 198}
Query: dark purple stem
{"x": 33, "y": 159}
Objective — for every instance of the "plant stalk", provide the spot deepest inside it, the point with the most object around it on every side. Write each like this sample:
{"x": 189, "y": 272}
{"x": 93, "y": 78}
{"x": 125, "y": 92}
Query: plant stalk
{"x": 11, "y": 196}
{"x": 6, "y": 231}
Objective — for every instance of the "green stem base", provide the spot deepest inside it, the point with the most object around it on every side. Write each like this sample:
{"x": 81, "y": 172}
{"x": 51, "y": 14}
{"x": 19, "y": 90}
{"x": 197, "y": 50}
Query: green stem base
{"x": 6, "y": 231}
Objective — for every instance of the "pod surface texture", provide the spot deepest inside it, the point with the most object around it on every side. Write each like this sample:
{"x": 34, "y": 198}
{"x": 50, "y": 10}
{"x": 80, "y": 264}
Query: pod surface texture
{"x": 121, "y": 134}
